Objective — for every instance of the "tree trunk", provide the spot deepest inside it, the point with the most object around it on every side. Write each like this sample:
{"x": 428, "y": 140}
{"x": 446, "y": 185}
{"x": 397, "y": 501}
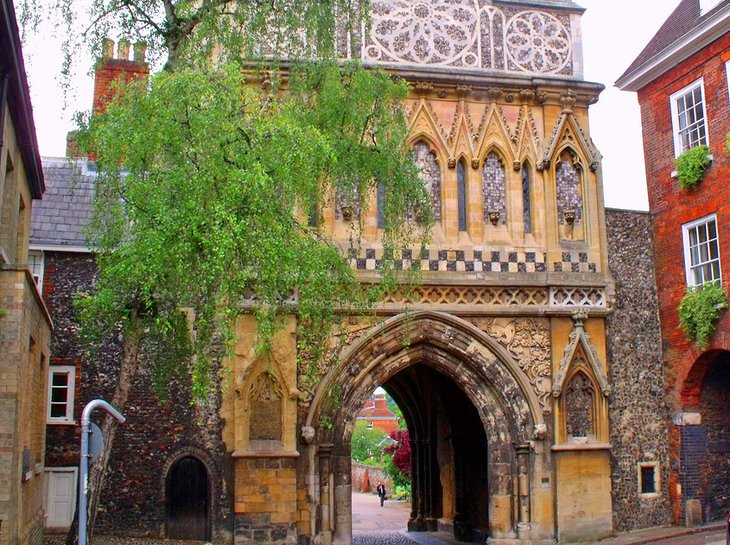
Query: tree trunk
{"x": 99, "y": 469}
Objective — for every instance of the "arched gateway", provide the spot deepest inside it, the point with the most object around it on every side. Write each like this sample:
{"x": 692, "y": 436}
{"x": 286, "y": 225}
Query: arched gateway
{"x": 476, "y": 426}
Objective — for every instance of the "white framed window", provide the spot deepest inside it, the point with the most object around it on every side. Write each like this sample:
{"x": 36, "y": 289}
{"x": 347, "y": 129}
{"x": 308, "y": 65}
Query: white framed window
{"x": 649, "y": 479}
{"x": 727, "y": 74}
{"x": 701, "y": 251}
{"x": 689, "y": 117}
{"x": 61, "y": 394}
{"x": 36, "y": 266}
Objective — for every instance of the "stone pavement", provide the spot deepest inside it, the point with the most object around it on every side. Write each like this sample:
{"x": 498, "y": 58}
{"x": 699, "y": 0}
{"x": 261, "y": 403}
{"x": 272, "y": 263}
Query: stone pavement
{"x": 375, "y": 525}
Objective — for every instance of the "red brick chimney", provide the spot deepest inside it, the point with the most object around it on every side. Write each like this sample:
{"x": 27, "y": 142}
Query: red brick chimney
{"x": 109, "y": 70}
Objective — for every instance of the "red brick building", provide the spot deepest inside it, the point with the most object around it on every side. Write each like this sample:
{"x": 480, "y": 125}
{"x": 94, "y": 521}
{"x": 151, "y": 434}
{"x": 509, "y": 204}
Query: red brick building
{"x": 377, "y": 414}
{"x": 682, "y": 78}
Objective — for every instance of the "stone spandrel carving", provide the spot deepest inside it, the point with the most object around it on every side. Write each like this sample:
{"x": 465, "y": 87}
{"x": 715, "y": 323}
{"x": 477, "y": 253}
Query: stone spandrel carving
{"x": 468, "y": 34}
{"x": 528, "y": 341}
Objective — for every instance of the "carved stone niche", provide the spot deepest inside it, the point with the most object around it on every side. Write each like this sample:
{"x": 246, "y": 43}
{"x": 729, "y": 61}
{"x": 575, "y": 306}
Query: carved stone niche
{"x": 265, "y": 424}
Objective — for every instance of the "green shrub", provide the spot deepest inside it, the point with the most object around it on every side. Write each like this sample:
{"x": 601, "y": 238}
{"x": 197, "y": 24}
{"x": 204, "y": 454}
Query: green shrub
{"x": 699, "y": 310}
{"x": 691, "y": 166}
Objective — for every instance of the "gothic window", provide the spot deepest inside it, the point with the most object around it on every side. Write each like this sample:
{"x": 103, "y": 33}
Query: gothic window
{"x": 461, "y": 194}
{"x": 430, "y": 173}
{"x": 493, "y": 185}
{"x": 526, "y": 200}
{"x": 579, "y": 407}
{"x": 568, "y": 189}
{"x": 265, "y": 399}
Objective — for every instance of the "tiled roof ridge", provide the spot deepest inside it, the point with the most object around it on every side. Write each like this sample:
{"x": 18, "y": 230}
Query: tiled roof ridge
{"x": 683, "y": 20}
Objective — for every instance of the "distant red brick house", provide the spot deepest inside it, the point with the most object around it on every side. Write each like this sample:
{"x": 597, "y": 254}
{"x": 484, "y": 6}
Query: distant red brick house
{"x": 377, "y": 414}
{"x": 683, "y": 82}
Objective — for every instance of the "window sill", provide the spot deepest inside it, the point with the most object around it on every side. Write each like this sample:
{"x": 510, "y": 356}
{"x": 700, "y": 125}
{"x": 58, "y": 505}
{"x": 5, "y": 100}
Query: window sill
{"x": 50, "y": 422}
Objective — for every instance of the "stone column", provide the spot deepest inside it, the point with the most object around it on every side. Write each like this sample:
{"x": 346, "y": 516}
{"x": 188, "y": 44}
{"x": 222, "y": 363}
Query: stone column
{"x": 325, "y": 493}
{"x": 523, "y": 490}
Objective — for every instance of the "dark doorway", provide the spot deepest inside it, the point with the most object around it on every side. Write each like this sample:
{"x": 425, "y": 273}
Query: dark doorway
{"x": 187, "y": 500}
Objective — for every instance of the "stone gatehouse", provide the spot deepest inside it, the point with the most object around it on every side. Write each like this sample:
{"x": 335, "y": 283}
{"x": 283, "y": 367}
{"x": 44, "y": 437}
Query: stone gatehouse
{"x": 499, "y": 360}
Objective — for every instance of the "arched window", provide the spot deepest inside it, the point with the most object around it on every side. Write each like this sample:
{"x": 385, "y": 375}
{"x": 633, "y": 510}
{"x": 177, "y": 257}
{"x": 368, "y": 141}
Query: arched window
{"x": 579, "y": 407}
{"x": 526, "y": 199}
{"x": 568, "y": 189}
{"x": 430, "y": 173}
{"x": 493, "y": 185}
{"x": 461, "y": 193}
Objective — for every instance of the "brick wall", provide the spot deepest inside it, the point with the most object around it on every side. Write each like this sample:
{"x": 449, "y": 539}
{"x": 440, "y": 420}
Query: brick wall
{"x": 671, "y": 208}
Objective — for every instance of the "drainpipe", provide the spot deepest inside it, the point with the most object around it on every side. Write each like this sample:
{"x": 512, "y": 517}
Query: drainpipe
{"x": 84, "y": 476}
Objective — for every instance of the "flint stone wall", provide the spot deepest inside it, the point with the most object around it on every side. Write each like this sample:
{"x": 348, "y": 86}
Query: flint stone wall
{"x": 637, "y": 408}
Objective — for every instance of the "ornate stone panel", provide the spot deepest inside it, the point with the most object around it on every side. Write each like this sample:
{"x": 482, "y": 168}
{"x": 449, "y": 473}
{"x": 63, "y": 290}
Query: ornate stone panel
{"x": 468, "y": 34}
{"x": 265, "y": 400}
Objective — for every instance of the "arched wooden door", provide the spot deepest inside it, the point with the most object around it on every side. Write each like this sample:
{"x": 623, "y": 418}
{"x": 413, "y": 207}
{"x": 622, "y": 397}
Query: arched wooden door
{"x": 187, "y": 500}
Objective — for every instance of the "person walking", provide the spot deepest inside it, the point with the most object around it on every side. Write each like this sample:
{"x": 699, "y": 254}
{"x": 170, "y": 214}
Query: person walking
{"x": 381, "y": 493}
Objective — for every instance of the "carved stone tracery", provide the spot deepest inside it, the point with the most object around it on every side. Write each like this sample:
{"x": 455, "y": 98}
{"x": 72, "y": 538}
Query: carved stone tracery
{"x": 461, "y": 33}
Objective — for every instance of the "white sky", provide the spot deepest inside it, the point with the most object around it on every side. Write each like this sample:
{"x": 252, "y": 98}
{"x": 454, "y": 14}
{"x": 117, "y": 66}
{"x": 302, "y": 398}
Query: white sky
{"x": 614, "y": 32}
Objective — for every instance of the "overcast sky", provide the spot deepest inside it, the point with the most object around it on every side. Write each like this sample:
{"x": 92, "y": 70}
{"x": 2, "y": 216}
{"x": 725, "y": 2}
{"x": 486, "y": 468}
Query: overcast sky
{"x": 614, "y": 32}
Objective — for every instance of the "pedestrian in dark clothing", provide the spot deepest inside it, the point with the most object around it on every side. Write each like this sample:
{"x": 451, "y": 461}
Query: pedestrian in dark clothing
{"x": 381, "y": 493}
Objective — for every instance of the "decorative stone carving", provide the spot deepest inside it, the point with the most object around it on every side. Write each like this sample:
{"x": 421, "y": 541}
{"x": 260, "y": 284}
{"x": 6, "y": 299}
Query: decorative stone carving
{"x": 528, "y": 340}
{"x": 540, "y": 432}
{"x": 431, "y": 32}
{"x": 308, "y": 434}
{"x": 471, "y": 295}
{"x": 578, "y": 297}
{"x": 567, "y": 101}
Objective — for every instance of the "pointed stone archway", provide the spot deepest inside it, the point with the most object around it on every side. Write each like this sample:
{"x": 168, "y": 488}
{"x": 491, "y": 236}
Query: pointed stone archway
{"x": 477, "y": 431}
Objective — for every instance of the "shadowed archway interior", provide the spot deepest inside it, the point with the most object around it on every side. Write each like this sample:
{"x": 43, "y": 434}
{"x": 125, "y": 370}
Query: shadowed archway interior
{"x": 448, "y": 456}
{"x": 187, "y": 506}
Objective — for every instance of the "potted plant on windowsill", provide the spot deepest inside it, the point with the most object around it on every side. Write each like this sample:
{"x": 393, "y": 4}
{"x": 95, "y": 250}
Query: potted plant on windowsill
{"x": 691, "y": 166}
{"x": 699, "y": 311}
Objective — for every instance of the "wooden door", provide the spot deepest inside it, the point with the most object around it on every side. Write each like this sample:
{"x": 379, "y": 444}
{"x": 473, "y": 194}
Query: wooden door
{"x": 187, "y": 500}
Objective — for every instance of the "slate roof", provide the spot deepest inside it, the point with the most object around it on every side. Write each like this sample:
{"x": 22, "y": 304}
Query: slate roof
{"x": 59, "y": 219}
{"x": 683, "y": 20}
